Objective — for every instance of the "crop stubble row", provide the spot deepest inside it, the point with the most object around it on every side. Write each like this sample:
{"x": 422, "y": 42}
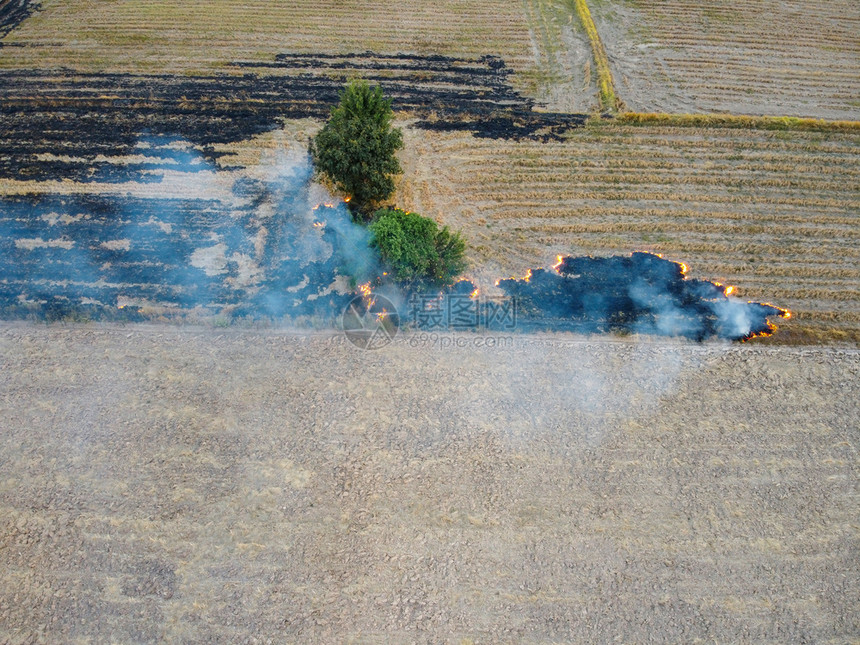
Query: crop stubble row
{"x": 202, "y": 36}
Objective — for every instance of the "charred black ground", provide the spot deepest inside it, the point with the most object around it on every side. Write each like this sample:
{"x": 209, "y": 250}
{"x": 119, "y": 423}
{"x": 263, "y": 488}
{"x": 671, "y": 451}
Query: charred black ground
{"x": 640, "y": 293}
{"x": 78, "y": 276}
{"x": 12, "y": 14}
{"x": 56, "y": 124}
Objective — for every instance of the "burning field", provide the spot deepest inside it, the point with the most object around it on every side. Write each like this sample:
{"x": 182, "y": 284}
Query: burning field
{"x": 192, "y": 451}
{"x": 132, "y": 194}
{"x": 643, "y": 293}
{"x": 160, "y": 226}
{"x": 773, "y": 214}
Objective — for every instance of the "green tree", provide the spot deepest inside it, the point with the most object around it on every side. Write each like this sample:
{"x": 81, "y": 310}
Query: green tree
{"x": 356, "y": 147}
{"x": 416, "y": 251}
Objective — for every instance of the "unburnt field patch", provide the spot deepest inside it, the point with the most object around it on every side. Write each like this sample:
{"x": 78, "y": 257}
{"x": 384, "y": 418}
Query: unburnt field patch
{"x": 757, "y": 57}
{"x": 199, "y": 37}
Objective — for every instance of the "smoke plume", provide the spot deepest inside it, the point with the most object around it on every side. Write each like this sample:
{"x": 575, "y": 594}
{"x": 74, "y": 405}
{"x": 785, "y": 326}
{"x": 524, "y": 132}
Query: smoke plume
{"x": 641, "y": 293}
{"x": 183, "y": 237}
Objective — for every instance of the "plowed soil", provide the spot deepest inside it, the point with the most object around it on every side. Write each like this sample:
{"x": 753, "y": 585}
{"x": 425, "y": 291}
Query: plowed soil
{"x": 184, "y": 485}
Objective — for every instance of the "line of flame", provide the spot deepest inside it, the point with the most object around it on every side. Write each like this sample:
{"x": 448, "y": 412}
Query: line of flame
{"x": 727, "y": 289}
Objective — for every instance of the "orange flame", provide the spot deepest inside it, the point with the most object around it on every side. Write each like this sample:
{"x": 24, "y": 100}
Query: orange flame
{"x": 683, "y": 268}
{"x": 727, "y": 290}
{"x": 525, "y": 278}
{"x": 474, "y": 294}
{"x": 346, "y": 200}
{"x": 761, "y": 334}
{"x": 771, "y": 328}
{"x": 558, "y": 260}
{"x": 319, "y": 224}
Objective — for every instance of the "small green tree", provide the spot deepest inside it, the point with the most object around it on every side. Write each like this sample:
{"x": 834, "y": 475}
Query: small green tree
{"x": 416, "y": 251}
{"x": 356, "y": 148}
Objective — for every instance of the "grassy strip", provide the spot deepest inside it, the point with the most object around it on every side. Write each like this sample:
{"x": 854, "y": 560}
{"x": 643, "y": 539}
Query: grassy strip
{"x": 609, "y": 102}
{"x": 737, "y": 121}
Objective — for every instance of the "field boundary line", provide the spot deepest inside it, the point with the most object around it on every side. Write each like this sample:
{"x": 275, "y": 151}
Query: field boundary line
{"x": 609, "y": 101}
{"x": 736, "y": 121}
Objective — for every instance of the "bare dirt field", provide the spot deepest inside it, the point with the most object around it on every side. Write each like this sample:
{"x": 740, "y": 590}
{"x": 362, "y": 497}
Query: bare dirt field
{"x": 773, "y": 213}
{"x": 190, "y": 485}
{"x": 759, "y": 57}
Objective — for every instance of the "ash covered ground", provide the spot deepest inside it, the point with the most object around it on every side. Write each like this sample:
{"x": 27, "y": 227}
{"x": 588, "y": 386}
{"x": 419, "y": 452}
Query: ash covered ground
{"x": 189, "y": 485}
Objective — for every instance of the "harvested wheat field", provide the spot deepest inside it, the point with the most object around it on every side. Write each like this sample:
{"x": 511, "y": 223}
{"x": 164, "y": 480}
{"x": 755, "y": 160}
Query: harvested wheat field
{"x": 539, "y": 39}
{"x": 774, "y": 214}
{"x": 201, "y": 36}
{"x": 758, "y": 57}
{"x": 187, "y": 485}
